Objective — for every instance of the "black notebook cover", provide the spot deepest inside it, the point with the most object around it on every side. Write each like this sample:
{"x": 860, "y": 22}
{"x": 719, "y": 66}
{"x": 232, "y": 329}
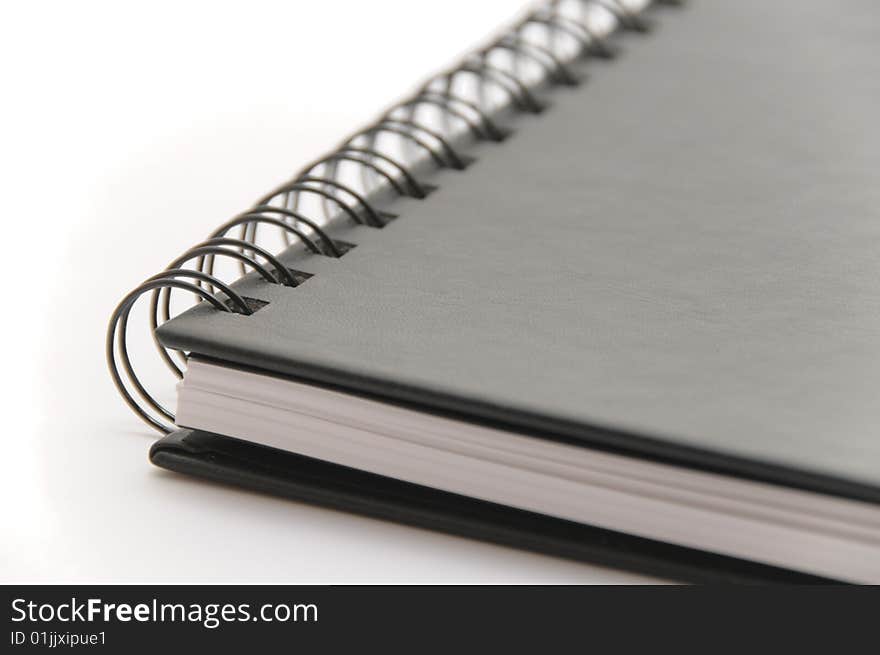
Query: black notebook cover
{"x": 268, "y": 470}
{"x": 677, "y": 259}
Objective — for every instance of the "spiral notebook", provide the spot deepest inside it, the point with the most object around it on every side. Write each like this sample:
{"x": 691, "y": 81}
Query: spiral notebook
{"x": 607, "y": 289}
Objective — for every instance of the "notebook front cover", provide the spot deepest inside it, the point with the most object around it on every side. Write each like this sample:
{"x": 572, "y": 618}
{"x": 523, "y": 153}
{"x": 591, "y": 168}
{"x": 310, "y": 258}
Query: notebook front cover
{"x": 677, "y": 259}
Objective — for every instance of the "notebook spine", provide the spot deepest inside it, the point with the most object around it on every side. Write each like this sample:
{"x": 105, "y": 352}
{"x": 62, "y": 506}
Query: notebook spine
{"x": 194, "y": 270}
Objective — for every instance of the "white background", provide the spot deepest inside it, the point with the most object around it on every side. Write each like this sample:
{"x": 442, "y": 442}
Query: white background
{"x": 128, "y": 132}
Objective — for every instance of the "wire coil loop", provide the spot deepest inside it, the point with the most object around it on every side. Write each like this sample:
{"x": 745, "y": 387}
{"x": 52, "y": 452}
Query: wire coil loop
{"x": 368, "y": 151}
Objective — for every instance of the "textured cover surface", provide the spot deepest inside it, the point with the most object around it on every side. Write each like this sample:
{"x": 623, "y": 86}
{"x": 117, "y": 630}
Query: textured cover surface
{"x": 301, "y": 478}
{"x": 677, "y": 259}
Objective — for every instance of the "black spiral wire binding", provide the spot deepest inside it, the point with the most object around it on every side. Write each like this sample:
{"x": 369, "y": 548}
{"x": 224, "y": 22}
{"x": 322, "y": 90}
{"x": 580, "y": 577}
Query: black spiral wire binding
{"x": 194, "y": 270}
